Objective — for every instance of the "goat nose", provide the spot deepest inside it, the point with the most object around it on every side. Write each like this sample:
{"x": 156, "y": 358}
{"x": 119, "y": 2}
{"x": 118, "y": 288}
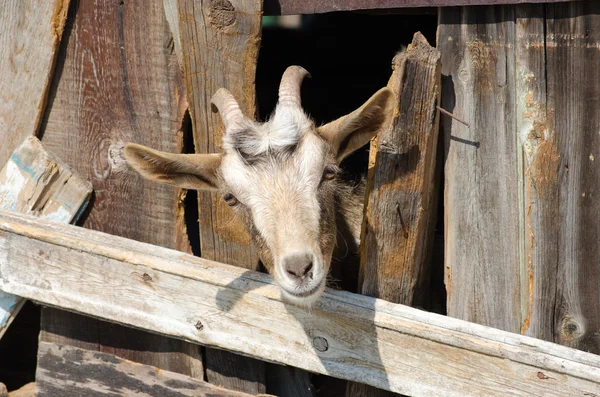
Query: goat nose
{"x": 298, "y": 266}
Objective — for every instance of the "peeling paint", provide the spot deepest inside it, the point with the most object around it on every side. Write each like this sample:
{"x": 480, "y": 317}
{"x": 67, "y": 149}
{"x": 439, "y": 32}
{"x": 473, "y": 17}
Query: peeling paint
{"x": 61, "y": 214}
{"x": 14, "y": 183}
{"x": 7, "y": 305}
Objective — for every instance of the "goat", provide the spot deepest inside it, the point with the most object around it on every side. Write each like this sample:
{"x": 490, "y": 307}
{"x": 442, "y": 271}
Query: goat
{"x": 281, "y": 178}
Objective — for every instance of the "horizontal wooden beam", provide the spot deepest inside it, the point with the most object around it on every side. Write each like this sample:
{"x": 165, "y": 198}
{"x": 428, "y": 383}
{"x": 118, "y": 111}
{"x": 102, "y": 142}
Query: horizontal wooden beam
{"x": 345, "y": 335}
{"x": 292, "y": 7}
{"x": 68, "y": 371}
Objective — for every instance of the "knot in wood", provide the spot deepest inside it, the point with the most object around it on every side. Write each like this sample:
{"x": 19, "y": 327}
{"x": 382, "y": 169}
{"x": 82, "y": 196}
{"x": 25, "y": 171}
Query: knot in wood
{"x": 199, "y": 326}
{"x": 571, "y": 329}
{"x": 320, "y": 344}
{"x": 221, "y": 13}
{"x": 146, "y": 277}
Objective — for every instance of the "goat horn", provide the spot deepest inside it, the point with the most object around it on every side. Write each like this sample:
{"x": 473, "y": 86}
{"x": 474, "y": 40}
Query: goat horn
{"x": 228, "y": 108}
{"x": 289, "y": 88}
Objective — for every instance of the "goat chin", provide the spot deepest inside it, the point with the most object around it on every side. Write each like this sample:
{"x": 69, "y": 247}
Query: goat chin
{"x": 304, "y": 301}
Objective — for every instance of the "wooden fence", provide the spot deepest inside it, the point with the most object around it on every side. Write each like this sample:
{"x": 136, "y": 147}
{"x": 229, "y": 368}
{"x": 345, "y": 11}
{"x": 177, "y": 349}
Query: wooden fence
{"x": 367, "y": 340}
{"x": 519, "y": 215}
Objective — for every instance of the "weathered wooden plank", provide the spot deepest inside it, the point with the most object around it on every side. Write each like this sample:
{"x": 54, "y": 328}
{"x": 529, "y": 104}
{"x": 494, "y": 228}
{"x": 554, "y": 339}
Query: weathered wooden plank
{"x": 571, "y": 161}
{"x": 538, "y": 168}
{"x": 344, "y": 335}
{"x": 292, "y": 7}
{"x": 69, "y": 371}
{"x": 172, "y": 15}
{"x": 220, "y": 48}
{"x": 219, "y": 44}
{"x": 399, "y": 215}
{"x": 36, "y": 182}
{"x": 482, "y": 255}
{"x": 117, "y": 81}
{"x": 29, "y": 37}
{"x": 555, "y": 50}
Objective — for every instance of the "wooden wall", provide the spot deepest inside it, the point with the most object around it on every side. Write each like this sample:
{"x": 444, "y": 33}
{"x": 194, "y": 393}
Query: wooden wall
{"x": 520, "y": 208}
{"x": 117, "y": 80}
{"x": 521, "y": 215}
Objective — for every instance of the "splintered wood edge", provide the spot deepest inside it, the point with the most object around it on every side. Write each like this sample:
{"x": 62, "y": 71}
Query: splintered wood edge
{"x": 10, "y": 305}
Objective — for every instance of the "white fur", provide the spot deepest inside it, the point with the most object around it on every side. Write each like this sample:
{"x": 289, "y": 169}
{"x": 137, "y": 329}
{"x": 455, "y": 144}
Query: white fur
{"x": 286, "y": 128}
{"x": 281, "y": 193}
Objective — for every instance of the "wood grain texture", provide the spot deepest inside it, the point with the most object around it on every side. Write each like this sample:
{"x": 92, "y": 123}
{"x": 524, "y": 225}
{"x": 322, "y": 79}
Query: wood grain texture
{"x": 539, "y": 165}
{"x": 219, "y": 44}
{"x": 30, "y": 34}
{"x": 36, "y": 182}
{"x": 293, "y": 7}
{"x": 553, "y": 295}
{"x": 69, "y": 371}
{"x": 172, "y": 15}
{"x": 399, "y": 216}
{"x": 573, "y": 55}
{"x": 344, "y": 335}
{"x": 481, "y": 222}
{"x": 118, "y": 80}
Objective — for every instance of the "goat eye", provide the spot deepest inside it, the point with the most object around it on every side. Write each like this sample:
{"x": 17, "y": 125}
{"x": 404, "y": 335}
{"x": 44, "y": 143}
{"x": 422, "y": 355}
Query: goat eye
{"x": 329, "y": 173}
{"x": 230, "y": 199}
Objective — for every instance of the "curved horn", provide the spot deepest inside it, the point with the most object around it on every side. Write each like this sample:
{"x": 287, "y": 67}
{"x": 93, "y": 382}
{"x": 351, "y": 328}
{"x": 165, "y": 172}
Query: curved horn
{"x": 289, "y": 88}
{"x": 230, "y": 111}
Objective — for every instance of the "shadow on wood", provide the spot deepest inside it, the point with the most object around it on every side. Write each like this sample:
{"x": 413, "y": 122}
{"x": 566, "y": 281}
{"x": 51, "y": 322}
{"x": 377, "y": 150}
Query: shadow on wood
{"x": 344, "y": 335}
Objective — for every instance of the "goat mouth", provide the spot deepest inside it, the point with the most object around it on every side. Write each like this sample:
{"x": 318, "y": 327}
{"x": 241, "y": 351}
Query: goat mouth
{"x": 305, "y": 294}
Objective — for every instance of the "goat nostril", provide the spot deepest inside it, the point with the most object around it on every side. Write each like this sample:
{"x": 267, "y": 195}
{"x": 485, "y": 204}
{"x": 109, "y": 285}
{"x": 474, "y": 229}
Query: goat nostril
{"x": 298, "y": 267}
{"x": 307, "y": 269}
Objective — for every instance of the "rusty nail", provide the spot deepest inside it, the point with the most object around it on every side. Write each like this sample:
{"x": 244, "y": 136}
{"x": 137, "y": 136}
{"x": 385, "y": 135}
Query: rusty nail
{"x": 447, "y": 113}
{"x": 146, "y": 277}
{"x": 404, "y": 229}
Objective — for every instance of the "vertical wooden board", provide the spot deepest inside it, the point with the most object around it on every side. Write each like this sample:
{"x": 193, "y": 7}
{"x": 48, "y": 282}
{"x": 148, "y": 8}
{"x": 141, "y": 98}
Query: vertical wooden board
{"x": 399, "y": 217}
{"x": 219, "y": 45}
{"x": 573, "y": 56}
{"x": 481, "y": 169}
{"x": 36, "y": 182}
{"x": 220, "y": 41}
{"x": 30, "y": 33}
{"x": 401, "y": 188}
{"x": 118, "y": 80}
{"x": 172, "y": 15}
{"x": 540, "y": 166}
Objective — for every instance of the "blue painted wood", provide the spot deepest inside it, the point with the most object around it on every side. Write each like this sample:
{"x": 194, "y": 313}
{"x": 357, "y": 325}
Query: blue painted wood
{"x": 36, "y": 182}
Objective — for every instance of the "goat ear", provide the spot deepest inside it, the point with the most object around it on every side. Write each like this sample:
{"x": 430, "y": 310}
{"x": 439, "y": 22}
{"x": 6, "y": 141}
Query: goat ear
{"x": 351, "y": 132}
{"x": 188, "y": 171}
